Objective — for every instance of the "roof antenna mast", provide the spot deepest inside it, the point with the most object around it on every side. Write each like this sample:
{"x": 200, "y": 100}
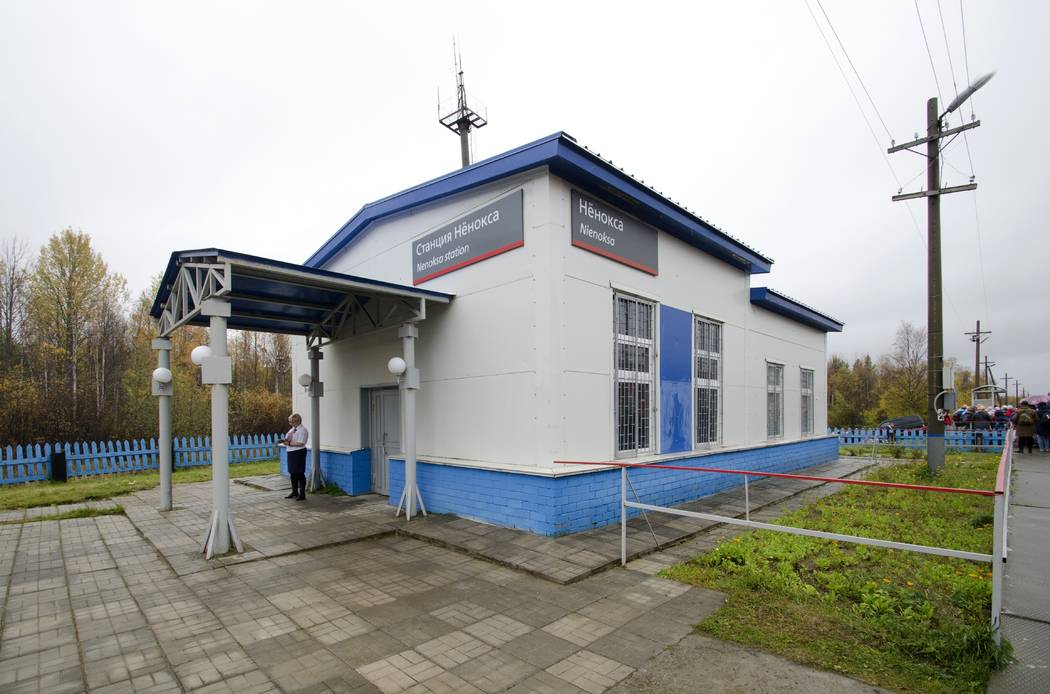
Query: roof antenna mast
{"x": 463, "y": 118}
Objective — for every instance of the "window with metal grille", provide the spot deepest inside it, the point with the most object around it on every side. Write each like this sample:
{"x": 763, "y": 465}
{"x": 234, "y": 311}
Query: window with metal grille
{"x": 634, "y": 374}
{"x": 807, "y": 402}
{"x": 774, "y": 400}
{"x": 707, "y": 345}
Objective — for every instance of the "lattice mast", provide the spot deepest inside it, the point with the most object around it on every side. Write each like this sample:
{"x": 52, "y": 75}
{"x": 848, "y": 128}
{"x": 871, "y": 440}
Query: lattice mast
{"x": 463, "y": 118}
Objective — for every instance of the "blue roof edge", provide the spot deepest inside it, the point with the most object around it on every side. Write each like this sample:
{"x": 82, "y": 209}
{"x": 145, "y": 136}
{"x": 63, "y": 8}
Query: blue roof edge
{"x": 576, "y": 164}
{"x": 774, "y": 301}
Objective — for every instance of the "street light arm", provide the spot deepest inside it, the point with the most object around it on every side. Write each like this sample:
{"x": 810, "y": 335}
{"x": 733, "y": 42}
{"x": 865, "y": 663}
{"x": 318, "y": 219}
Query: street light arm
{"x": 968, "y": 92}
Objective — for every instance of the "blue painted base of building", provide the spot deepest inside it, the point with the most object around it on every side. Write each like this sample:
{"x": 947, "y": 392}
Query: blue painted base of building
{"x": 352, "y": 472}
{"x": 571, "y": 503}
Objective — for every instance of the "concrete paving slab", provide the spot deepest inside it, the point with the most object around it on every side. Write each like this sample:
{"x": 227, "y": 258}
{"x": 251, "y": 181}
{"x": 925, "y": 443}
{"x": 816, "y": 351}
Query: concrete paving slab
{"x": 1026, "y": 584}
{"x": 1028, "y": 673}
{"x": 337, "y": 596}
{"x": 700, "y": 663}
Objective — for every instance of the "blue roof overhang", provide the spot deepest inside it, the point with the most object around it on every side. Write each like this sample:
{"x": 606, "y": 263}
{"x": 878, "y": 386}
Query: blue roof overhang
{"x": 789, "y": 308}
{"x": 568, "y": 160}
{"x": 269, "y": 295}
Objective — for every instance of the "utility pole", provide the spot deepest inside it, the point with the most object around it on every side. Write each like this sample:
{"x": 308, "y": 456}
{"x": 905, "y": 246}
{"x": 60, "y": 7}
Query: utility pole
{"x": 989, "y": 378}
{"x": 976, "y": 339}
{"x": 935, "y": 132}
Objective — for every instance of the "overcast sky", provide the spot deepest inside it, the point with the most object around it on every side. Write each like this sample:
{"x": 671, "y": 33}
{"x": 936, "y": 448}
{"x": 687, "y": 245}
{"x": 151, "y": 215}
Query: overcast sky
{"x": 262, "y": 127}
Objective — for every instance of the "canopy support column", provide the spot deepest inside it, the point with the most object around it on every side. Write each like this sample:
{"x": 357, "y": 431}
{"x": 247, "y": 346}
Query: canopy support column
{"x": 409, "y": 385}
{"x": 316, "y": 392}
{"x": 217, "y": 370}
{"x": 163, "y": 391}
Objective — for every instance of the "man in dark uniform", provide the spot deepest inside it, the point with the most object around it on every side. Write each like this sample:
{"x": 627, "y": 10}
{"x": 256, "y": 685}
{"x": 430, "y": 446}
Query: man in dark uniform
{"x": 295, "y": 440}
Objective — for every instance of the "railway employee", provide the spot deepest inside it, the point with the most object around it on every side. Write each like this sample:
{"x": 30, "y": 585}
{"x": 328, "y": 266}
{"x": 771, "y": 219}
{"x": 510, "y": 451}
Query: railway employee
{"x": 295, "y": 440}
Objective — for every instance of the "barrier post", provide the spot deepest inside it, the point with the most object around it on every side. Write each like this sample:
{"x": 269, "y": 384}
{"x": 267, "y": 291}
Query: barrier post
{"x": 747, "y": 500}
{"x": 623, "y": 515}
{"x": 997, "y": 565}
{"x": 1009, "y": 463}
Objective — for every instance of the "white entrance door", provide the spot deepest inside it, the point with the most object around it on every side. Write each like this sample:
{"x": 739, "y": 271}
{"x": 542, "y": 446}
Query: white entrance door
{"x": 385, "y": 431}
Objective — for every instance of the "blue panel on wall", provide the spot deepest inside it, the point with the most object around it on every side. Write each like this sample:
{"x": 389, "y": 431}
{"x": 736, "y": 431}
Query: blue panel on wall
{"x": 676, "y": 402}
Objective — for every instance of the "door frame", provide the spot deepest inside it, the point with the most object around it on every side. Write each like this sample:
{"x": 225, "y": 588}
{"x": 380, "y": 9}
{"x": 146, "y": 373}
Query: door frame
{"x": 370, "y": 395}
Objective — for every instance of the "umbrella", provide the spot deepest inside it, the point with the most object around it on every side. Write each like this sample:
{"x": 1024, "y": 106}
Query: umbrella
{"x": 1036, "y": 399}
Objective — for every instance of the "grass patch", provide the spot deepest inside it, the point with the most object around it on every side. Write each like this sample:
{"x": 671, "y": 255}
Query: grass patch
{"x": 109, "y": 486}
{"x": 67, "y": 515}
{"x": 905, "y": 453}
{"x": 905, "y": 621}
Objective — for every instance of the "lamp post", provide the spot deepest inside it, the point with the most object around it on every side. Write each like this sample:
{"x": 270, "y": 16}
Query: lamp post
{"x": 217, "y": 371}
{"x": 161, "y": 384}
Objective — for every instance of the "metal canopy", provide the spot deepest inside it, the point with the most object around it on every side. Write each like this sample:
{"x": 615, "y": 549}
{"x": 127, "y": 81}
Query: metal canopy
{"x": 269, "y": 295}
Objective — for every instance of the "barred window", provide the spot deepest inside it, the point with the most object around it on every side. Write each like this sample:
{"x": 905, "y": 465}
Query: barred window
{"x": 634, "y": 374}
{"x": 774, "y": 400}
{"x": 807, "y": 402}
{"x": 707, "y": 345}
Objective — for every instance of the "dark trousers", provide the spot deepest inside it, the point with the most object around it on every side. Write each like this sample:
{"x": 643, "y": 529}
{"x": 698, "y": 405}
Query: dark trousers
{"x": 297, "y": 471}
{"x": 1025, "y": 442}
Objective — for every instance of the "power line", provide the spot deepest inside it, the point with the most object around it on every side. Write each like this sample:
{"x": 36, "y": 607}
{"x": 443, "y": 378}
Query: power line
{"x": 853, "y": 93}
{"x": 966, "y": 141}
{"x": 885, "y": 158}
{"x": 928, "y": 51}
{"x": 966, "y": 55}
{"x": 980, "y": 255}
{"x": 966, "y": 61}
{"x": 854, "y": 67}
{"x": 955, "y": 85}
{"x": 944, "y": 33}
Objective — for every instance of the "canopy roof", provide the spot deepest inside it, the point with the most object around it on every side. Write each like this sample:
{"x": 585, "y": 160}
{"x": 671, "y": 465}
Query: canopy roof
{"x": 269, "y": 295}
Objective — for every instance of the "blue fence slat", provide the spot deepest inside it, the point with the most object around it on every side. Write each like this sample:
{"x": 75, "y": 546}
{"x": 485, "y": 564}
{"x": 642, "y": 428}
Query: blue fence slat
{"x": 989, "y": 440}
{"x": 31, "y": 462}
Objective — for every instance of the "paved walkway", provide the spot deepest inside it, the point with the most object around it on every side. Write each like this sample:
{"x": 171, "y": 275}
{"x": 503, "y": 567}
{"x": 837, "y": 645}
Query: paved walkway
{"x": 334, "y": 597}
{"x": 271, "y": 526}
{"x": 1026, "y": 596}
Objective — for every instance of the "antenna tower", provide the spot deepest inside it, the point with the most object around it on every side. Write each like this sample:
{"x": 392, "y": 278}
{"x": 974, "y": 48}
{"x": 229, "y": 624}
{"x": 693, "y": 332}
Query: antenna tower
{"x": 463, "y": 118}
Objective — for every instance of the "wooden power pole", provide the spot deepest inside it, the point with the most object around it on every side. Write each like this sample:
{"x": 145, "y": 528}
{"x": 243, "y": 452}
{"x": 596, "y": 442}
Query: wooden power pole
{"x": 975, "y": 337}
{"x": 935, "y": 132}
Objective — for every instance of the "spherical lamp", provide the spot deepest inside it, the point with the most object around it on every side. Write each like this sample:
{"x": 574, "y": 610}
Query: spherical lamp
{"x": 162, "y": 375}
{"x": 199, "y": 354}
{"x": 396, "y": 366}
{"x": 305, "y": 380}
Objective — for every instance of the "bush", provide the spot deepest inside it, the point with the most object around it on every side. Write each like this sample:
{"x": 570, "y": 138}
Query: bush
{"x": 258, "y": 411}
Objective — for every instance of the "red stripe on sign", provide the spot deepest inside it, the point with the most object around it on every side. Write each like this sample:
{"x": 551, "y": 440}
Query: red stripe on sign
{"x": 613, "y": 256}
{"x": 457, "y": 266}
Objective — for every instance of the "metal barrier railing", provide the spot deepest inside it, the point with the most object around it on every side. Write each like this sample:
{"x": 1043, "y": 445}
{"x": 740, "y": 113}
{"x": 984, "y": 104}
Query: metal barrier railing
{"x": 1000, "y": 495}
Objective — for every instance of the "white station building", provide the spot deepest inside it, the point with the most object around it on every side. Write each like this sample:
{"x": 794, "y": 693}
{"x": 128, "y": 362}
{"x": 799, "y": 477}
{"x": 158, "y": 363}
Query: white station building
{"x": 566, "y": 313}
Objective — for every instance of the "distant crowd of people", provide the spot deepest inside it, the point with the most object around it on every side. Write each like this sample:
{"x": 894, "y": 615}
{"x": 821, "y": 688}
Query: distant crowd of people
{"x": 1032, "y": 423}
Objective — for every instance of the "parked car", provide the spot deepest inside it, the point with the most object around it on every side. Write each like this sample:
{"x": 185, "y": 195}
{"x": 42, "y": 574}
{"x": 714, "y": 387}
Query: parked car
{"x": 906, "y": 423}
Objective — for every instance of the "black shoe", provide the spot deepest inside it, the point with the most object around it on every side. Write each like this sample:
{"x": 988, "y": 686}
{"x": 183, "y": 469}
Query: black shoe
{"x": 293, "y": 495}
{"x": 301, "y": 497}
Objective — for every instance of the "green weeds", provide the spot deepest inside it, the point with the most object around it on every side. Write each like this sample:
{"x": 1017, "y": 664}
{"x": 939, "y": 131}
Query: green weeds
{"x": 67, "y": 515}
{"x": 86, "y": 489}
{"x": 907, "y": 621}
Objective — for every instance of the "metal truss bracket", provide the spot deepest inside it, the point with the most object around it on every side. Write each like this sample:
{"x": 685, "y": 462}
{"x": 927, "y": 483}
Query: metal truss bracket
{"x": 194, "y": 284}
{"x": 352, "y": 316}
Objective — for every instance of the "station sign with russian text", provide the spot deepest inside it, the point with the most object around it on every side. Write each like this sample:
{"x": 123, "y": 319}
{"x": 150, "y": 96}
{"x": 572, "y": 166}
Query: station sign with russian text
{"x": 495, "y": 228}
{"x": 601, "y": 229}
